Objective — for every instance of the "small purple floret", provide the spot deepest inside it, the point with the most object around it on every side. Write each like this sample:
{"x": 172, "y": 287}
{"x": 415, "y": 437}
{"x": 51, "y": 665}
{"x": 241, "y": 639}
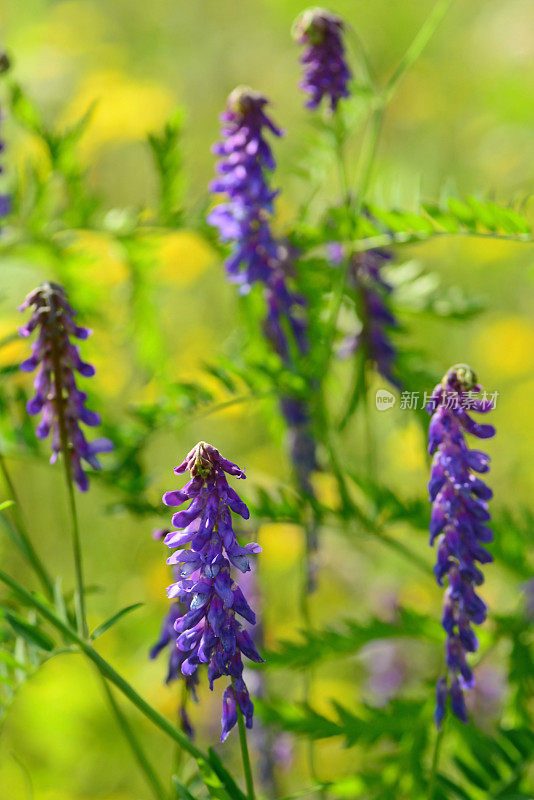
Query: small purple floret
{"x": 326, "y": 73}
{"x": 208, "y": 630}
{"x": 58, "y": 359}
{"x": 459, "y": 523}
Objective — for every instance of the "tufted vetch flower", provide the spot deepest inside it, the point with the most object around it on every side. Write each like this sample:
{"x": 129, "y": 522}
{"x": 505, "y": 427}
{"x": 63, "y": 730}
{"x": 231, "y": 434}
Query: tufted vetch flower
{"x": 326, "y": 73}
{"x": 57, "y": 397}
{"x": 209, "y": 631}
{"x": 459, "y": 525}
{"x": 244, "y": 218}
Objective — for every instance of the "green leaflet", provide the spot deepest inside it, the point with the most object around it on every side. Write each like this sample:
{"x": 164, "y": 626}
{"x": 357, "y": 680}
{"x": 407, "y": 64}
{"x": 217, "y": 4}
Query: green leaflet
{"x": 320, "y": 645}
{"x": 31, "y": 633}
{"x": 98, "y": 631}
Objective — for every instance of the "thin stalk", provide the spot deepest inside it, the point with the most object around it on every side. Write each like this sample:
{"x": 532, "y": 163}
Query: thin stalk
{"x": 417, "y": 46}
{"x": 182, "y": 688}
{"x": 75, "y": 529}
{"x": 247, "y": 769}
{"x": 25, "y": 542}
{"x": 325, "y": 437}
{"x": 342, "y": 164}
{"x": 435, "y": 764}
{"x": 366, "y": 165}
{"x": 137, "y": 750}
{"x": 105, "y": 668}
{"x": 370, "y": 450}
{"x": 77, "y": 552}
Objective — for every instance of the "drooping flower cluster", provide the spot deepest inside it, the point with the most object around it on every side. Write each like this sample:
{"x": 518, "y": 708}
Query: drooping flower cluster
{"x": 326, "y": 73}
{"x": 375, "y": 317}
{"x": 57, "y": 398}
{"x": 208, "y": 631}
{"x": 458, "y": 521}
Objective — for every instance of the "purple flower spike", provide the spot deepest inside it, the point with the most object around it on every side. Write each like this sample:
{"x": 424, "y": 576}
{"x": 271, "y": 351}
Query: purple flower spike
{"x": 245, "y": 218}
{"x": 58, "y": 359}
{"x": 245, "y": 159}
{"x": 326, "y": 73}
{"x": 375, "y": 317}
{"x": 208, "y": 630}
{"x": 458, "y": 521}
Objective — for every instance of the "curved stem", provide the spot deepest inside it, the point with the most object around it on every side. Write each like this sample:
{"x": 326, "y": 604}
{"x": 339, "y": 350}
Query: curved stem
{"x": 247, "y": 769}
{"x": 417, "y": 46}
{"x": 105, "y": 668}
{"x": 137, "y": 750}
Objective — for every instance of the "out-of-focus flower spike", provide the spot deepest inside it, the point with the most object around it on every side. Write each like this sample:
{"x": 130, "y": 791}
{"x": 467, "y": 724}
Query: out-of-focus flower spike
{"x": 326, "y": 73}
{"x": 375, "y": 317}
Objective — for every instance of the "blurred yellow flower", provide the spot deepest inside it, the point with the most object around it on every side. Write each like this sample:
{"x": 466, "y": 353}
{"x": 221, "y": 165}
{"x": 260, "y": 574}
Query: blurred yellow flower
{"x": 505, "y": 347}
{"x": 104, "y": 263}
{"x": 326, "y": 489}
{"x": 282, "y": 544}
{"x": 406, "y": 447}
{"x": 183, "y": 256}
{"x": 124, "y": 109}
{"x": 158, "y": 575}
{"x": 195, "y": 343}
{"x": 416, "y": 596}
{"x": 12, "y": 350}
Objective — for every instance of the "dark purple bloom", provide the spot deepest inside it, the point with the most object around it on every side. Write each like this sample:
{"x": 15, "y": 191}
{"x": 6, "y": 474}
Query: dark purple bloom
{"x": 459, "y": 522}
{"x": 57, "y": 398}
{"x": 208, "y": 631}
{"x": 326, "y": 73}
{"x": 375, "y": 317}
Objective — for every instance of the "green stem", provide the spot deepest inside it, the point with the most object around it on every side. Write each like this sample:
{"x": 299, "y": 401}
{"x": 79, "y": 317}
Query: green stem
{"x": 249, "y": 780}
{"x": 23, "y": 538}
{"x": 77, "y": 552}
{"x": 75, "y": 529}
{"x": 137, "y": 750}
{"x": 417, "y": 46}
{"x": 105, "y": 668}
{"x": 435, "y": 765}
{"x": 370, "y": 450}
{"x": 366, "y": 166}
